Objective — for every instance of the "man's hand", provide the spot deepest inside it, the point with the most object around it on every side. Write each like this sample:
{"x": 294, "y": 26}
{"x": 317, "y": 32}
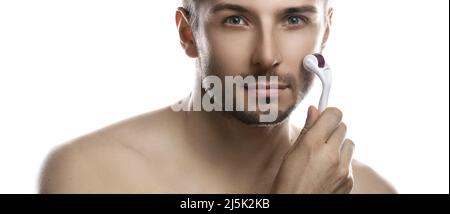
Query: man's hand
{"x": 320, "y": 159}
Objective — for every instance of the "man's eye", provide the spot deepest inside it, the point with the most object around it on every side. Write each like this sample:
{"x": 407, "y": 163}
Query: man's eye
{"x": 296, "y": 20}
{"x": 234, "y": 20}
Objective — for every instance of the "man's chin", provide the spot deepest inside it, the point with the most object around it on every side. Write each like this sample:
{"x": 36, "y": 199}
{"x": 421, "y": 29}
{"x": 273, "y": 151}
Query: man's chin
{"x": 255, "y": 118}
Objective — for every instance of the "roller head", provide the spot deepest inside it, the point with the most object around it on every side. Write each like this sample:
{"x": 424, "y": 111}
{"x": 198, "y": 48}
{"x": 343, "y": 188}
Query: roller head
{"x": 316, "y": 64}
{"x": 320, "y": 59}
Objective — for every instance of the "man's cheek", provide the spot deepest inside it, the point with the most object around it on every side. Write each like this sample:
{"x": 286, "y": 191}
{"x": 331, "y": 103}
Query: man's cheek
{"x": 231, "y": 54}
{"x": 230, "y": 62}
{"x": 297, "y": 44}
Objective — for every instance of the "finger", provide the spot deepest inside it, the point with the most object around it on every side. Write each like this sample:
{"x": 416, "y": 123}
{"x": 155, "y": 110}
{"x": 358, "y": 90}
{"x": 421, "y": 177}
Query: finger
{"x": 313, "y": 115}
{"x": 311, "y": 118}
{"x": 326, "y": 124}
{"x": 337, "y": 138}
{"x": 347, "y": 153}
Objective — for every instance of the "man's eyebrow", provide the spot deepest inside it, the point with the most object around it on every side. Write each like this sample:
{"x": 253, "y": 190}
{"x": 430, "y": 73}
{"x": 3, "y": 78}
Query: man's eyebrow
{"x": 227, "y": 6}
{"x": 238, "y": 8}
{"x": 301, "y": 9}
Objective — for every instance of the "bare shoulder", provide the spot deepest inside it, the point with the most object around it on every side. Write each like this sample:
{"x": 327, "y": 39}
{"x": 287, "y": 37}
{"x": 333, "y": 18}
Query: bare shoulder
{"x": 69, "y": 168}
{"x": 368, "y": 181}
{"x": 115, "y": 159}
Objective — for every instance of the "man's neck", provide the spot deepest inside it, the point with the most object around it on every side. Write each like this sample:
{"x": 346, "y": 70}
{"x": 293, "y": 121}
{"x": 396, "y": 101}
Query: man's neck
{"x": 224, "y": 137}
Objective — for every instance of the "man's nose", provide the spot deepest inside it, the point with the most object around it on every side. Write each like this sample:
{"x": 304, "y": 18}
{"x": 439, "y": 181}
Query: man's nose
{"x": 266, "y": 53}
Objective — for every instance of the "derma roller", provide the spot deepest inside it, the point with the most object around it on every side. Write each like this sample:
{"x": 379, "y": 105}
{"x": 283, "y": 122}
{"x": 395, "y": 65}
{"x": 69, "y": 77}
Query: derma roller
{"x": 315, "y": 63}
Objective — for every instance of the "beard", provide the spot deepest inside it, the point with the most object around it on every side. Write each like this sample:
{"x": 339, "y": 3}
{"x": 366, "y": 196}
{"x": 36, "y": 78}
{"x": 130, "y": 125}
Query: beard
{"x": 253, "y": 118}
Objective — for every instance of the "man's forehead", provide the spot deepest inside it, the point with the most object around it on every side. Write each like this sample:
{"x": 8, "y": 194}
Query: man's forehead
{"x": 261, "y": 5}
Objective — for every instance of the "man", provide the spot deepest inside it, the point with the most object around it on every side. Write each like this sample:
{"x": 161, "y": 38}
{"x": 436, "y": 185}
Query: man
{"x": 181, "y": 149}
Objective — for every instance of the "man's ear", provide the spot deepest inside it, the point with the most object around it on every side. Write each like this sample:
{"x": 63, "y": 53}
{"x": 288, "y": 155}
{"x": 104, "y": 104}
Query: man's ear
{"x": 327, "y": 29}
{"x": 187, "y": 40}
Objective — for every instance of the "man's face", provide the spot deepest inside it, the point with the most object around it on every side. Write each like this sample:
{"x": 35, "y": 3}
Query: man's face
{"x": 261, "y": 38}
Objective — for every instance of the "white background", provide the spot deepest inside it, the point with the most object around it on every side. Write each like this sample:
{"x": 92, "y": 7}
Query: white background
{"x": 71, "y": 67}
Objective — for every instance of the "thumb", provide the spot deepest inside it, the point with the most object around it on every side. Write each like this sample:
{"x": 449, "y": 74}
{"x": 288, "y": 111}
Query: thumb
{"x": 313, "y": 115}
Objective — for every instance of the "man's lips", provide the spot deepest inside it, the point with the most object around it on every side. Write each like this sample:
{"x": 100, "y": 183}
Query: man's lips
{"x": 265, "y": 86}
{"x": 265, "y": 89}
